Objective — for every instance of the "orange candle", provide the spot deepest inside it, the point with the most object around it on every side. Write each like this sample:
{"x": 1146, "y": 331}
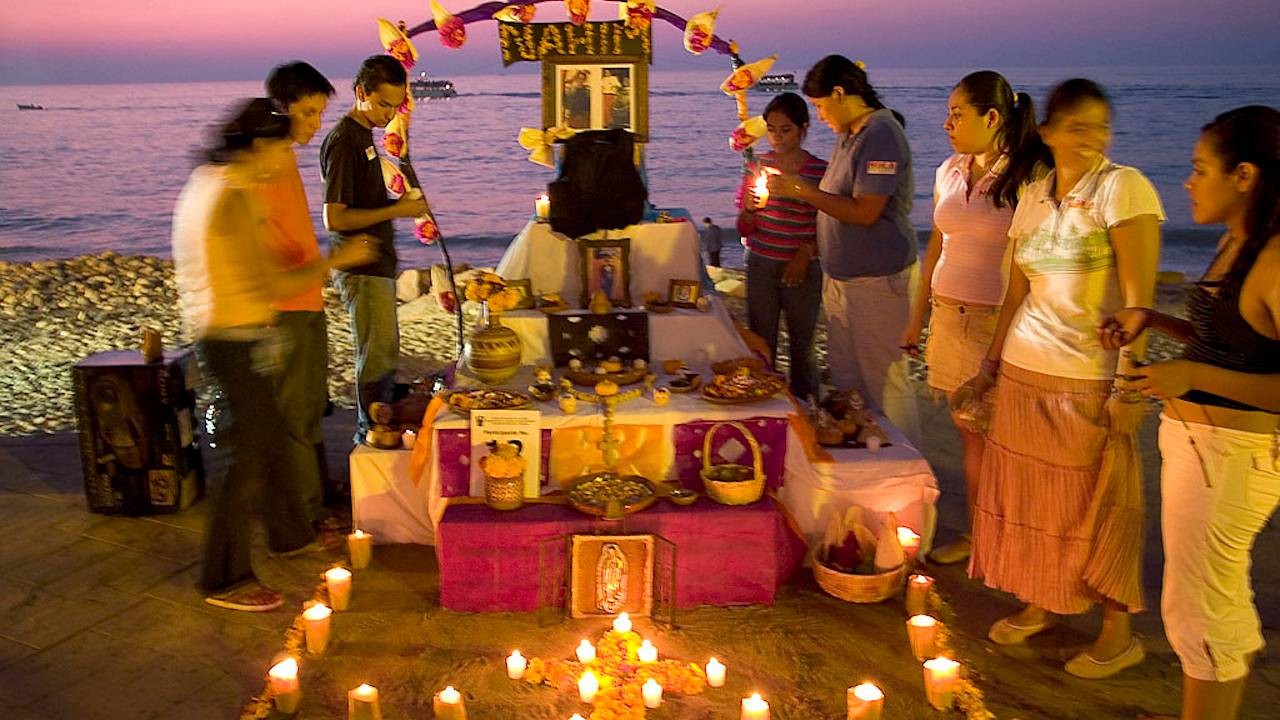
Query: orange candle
{"x": 360, "y": 546}
{"x": 941, "y": 675}
{"x": 922, "y": 632}
{"x": 918, "y": 588}
{"x": 865, "y": 702}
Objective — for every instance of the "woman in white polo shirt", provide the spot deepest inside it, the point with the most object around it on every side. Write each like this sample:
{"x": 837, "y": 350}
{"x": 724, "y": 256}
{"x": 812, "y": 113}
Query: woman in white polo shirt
{"x": 1054, "y": 523}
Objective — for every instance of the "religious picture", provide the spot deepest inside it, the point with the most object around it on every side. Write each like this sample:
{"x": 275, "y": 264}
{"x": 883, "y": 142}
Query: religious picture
{"x": 605, "y": 268}
{"x": 611, "y": 574}
{"x": 684, "y": 293}
{"x": 596, "y": 96}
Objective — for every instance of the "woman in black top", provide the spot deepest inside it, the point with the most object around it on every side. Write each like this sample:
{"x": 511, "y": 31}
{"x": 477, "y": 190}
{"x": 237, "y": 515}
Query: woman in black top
{"x": 1220, "y": 431}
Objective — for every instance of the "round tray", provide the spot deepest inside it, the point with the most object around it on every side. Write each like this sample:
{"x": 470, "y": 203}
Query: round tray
{"x": 612, "y": 511}
{"x": 628, "y": 376}
{"x": 520, "y": 400}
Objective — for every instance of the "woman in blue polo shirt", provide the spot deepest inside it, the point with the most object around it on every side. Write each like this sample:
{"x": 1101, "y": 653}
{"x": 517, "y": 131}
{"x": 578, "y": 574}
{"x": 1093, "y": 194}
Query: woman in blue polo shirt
{"x": 865, "y": 239}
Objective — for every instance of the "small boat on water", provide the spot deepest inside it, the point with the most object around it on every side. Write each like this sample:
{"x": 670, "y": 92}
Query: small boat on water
{"x": 30, "y": 106}
{"x": 780, "y": 82}
{"x": 424, "y": 88}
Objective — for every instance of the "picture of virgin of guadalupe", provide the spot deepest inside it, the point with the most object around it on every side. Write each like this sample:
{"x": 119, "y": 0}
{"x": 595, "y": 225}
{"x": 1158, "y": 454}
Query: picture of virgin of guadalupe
{"x": 576, "y": 100}
{"x": 121, "y": 437}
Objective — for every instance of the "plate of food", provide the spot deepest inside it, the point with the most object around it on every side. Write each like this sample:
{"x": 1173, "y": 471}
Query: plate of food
{"x": 613, "y": 369}
{"x": 728, "y": 367}
{"x": 611, "y": 495}
{"x": 552, "y": 303}
{"x": 654, "y": 303}
{"x": 464, "y": 401}
{"x": 743, "y": 386}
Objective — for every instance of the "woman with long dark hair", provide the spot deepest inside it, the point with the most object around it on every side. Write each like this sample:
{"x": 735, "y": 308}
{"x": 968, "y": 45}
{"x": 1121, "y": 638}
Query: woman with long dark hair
{"x": 997, "y": 151}
{"x": 783, "y": 274}
{"x": 865, "y": 239}
{"x": 1058, "y": 515}
{"x": 1220, "y": 430}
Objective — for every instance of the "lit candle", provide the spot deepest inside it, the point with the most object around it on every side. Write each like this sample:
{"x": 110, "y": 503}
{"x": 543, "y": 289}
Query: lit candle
{"x": 362, "y": 703}
{"x": 338, "y": 581}
{"x": 647, "y": 653}
{"x": 576, "y": 716}
{"x": 918, "y": 594}
{"x": 317, "y": 627}
{"x": 754, "y": 708}
{"x": 762, "y": 190}
{"x": 448, "y": 705}
{"x": 910, "y": 541}
{"x": 408, "y": 438}
{"x": 865, "y": 702}
{"x": 622, "y": 623}
{"x": 715, "y": 673}
{"x": 516, "y": 663}
{"x": 588, "y": 686}
{"x": 360, "y": 547}
{"x": 586, "y": 652}
{"x": 922, "y": 631}
{"x": 940, "y": 678}
{"x": 282, "y": 679}
{"x": 542, "y": 207}
{"x": 652, "y": 693}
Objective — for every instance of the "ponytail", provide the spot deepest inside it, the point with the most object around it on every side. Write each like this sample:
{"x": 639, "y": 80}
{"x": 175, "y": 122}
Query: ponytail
{"x": 1251, "y": 134}
{"x": 838, "y": 71}
{"x": 1019, "y": 138}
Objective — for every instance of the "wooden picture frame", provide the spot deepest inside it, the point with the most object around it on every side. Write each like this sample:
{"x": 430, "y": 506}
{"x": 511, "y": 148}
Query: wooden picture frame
{"x": 596, "y": 92}
{"x": 605, "y": 265}
{"x": 684, "y": 293}
{"x": 610, "y": 574}
{"x": 525, "y": 288}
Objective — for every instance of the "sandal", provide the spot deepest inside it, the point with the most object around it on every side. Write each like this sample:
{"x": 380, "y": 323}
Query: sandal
{"x": 1005, "y": 632}
{"x": 1088, "y": 667}
{"x": 248, "y": 596}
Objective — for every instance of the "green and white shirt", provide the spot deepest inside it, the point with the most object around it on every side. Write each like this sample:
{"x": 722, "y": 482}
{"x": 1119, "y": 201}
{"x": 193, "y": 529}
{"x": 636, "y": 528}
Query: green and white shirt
{"x": 1065, "y": 251}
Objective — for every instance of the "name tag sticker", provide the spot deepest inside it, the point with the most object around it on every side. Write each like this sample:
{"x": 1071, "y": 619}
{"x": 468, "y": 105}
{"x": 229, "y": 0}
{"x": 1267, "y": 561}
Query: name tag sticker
{"x": 370, "y": 153}
{"x": 882, "y": 167}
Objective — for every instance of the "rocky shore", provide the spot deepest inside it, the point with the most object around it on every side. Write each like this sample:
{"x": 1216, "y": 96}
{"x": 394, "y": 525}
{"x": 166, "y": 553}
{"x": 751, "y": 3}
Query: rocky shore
{"x": 53, "y": 313}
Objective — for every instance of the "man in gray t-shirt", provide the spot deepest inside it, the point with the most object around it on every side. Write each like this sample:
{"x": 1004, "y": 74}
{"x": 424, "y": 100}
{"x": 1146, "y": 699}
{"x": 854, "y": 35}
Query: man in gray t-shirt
{"x": 711, "y": 241}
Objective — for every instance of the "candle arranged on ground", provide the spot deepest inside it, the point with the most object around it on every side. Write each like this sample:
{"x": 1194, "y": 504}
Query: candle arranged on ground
{"x": 448, "y": 705}
{"x": 865, "y": 702}
{"x": 588, "y": 686}
{"x": 282, "y": 679}
{"x": 715, "y": 673}
{"x": 408, "y": 438}
{"x": 922, "y": 631}
{"x": 647, "y": 653}
{"x": 338, "y": 581}
{"x": 910, "y": 541}
{"x": 918, "y": 588}
{"x": 316, "y": 618}
{"x": 516, "y": 664}
{"x": 586, "y": 652}
{"x": 360, "y": 547}
{"x": 622, "y": 623}
{"x": 652, "y": 692}
{"x": 362, "y": 703}
{"x": 754, "y": 708}
{"x": 941, "y": 675}
{"x": 542, "y": 207}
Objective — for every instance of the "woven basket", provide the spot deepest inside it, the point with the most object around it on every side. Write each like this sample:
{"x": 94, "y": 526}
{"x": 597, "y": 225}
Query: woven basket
{"x": 743, "y": 491}
{"x": 859, "y": 588}
{"x": 504, "y": 493}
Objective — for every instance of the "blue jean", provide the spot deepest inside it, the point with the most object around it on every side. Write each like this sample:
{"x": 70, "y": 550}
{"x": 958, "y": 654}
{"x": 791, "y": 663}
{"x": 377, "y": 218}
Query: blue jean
{"x": 768, "y": 300}
{"x": 302, "y": 392}
{"x": 375, "y": 336}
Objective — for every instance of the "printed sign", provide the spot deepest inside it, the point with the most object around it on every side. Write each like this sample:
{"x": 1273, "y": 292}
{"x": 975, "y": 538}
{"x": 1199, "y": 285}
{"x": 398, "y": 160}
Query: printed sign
{"x": 531, "y": 42}
{"x": 521, "y": 427}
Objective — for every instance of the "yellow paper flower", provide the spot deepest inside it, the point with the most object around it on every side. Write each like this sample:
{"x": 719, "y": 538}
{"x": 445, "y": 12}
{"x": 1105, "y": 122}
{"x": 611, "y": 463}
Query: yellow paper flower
{"x": 699, "y": 31}
{"x": 392, "y": 178}
{"x": 450, "y": 28}
{"x": 397, "y": 44}
{"x": 541, "y": 143}
{"x": 747, "y": 76}
{"x": 747, "y": 133}
{"x": 397, "y": 133}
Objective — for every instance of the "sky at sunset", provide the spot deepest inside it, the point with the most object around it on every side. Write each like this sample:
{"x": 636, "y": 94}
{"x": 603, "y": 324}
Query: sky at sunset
{"x": 74, "y": 41}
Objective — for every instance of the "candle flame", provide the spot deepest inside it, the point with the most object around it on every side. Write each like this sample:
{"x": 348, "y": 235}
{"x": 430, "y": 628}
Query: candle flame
{"x": 285, "y": 669}
{"x": 908, "y": 537}
{"x": 922, "y": 579}
{"x": 942, "y": 664}
{"x": 337, "y": 574}
{"x": 923, "y": 620}
{"x": 319, "y": 611}
{"x": 867, "y": 692}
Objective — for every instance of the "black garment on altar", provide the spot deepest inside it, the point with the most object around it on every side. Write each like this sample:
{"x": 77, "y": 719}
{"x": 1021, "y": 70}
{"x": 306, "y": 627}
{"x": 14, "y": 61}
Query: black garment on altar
{"x": 599, "y": 187}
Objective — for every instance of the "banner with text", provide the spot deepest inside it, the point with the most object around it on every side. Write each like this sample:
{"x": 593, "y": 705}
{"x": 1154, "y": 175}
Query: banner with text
{"x": 531, "y": 42}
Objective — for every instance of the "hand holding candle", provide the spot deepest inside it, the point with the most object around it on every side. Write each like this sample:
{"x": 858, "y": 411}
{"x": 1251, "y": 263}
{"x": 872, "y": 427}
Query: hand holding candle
{"x": 652, "y": 692}
{"x": 282, "y": 679}
{"x": 715, "y": 673}
{"x": 362, "y": 703}
{"x": 941, "y": 675}
{"x": 316, "y": 618}
{"x": 922, "y": 632}
{"x": 360, "y": 547}
{"x": 448, "y": 705}
{"x": 516, "y": 664}
{"x": 761, "y": 190}
{"x": 338, "y": 582}
{"x": 865, "y": 702}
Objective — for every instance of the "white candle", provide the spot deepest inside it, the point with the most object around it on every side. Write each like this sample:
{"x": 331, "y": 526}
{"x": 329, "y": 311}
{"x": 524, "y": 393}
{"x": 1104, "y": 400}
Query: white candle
{"x": 922, "y": 632}
{"x": 865, "y": 702}
{"x": 652, "y": 693}
{"x": 622, "y": 623}
{"x": 647, "y": 653}
{"x": 940, "y": 678}
{"x": 282, "y": 679}
{"x": 588, "y": 686}
{"x": 408, "y": 438}
{"x": 586, "y": 652}
{"x": 576, "y": 716}
{"x": 762, "y": 190}
{"x": 362, "y": 703}
{"x": 542, "y": 206}
{"x": 516, "y": 664}
{"x": 754, "y": 708}
{"x": 338, "y": 581}
{"x": 715, "y": 673}
{"x": 316, "y": 618}
{"x": 448, "y": 705}
{"x": 360, "y": 547}
{"x": 918, "y": 594}
{"x": 910, "y": 541}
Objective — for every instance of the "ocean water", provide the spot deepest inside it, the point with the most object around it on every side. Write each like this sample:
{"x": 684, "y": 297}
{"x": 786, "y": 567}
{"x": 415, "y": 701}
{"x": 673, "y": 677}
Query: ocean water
{"x": 100, "y": 168}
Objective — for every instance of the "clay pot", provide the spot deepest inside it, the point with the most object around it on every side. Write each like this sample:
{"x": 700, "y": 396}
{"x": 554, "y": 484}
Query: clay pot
{"x": 493, "y": 352}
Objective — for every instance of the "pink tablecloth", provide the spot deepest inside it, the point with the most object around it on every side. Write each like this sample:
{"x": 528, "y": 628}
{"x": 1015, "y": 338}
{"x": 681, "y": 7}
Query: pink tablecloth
{"x": 724, "y": 555}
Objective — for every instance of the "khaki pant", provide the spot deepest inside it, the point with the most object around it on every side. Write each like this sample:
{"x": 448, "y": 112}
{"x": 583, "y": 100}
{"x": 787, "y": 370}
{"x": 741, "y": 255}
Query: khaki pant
{"x": 865, "y": 318}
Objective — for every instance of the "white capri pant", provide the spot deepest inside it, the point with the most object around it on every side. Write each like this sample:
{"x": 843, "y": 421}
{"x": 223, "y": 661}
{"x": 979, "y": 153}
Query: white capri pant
{"x": 1213, "y": 506}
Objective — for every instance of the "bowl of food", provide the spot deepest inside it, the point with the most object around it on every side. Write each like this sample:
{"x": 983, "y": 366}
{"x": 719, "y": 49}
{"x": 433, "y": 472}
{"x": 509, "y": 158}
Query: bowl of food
{"x": 610, "y": 495}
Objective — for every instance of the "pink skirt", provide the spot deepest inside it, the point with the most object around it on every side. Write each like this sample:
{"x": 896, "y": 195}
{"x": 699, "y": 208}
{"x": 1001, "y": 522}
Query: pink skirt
{"x": 1058, "y": 519}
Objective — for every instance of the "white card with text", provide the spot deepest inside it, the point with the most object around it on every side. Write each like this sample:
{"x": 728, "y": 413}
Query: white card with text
{"x": 523, "y": 427}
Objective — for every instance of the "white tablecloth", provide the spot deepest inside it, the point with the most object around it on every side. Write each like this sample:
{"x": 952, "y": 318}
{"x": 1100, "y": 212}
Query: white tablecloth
{"x": 385, "y": 501}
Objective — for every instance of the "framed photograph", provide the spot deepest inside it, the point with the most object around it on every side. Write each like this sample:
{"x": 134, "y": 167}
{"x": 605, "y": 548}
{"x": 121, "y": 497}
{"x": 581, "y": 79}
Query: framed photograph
{"x": 591, "y": 92}
{"x": 610, "y": 574}
{"x": 605, "y": 265}
{"x": 525, "y": 288}
{"x": 684, "y": 293}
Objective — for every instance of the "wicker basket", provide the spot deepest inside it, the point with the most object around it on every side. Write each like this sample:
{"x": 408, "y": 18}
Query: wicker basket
{"x": 749, "y": 485}
{"x": 504, "y": 493}
{"x": 859, "y": 588}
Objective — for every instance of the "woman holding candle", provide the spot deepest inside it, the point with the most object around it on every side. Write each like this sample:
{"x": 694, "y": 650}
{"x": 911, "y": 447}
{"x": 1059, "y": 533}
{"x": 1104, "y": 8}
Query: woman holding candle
{"x": 998, "y": 150}
{"x": 784, "y": 277}
{"x": 1058, "y": 517}
{"x": 1220, "y": 430}
{"x": 865, "y": 240}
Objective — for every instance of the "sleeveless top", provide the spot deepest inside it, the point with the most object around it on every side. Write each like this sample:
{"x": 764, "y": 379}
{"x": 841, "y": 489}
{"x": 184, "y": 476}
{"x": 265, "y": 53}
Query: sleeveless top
{"x": 1223, "y": 338}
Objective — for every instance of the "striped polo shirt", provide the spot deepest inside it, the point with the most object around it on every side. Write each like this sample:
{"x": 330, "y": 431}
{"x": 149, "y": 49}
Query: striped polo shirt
{"x": 783, "y": 224}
